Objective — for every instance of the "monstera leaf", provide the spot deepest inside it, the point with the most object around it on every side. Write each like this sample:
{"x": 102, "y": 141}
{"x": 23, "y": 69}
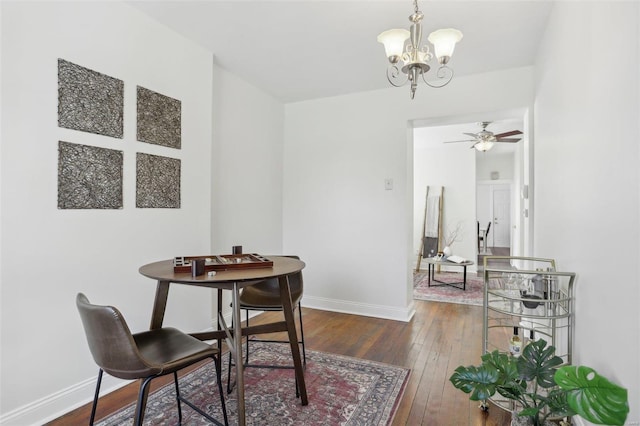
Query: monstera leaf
{"x": 557, "y": 403}
{"x": 538, "y": 361}
{"x": 505, "y": 364}
{"x": 592, "y": 396}
{"x": 480, "y": 381}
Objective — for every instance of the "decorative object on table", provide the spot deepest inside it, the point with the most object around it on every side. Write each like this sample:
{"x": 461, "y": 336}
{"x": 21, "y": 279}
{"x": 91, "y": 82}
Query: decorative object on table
{"x": 543, "y": 389}
{"x": 159, "y": 119}
{"x": 197, "y": 267}
{"x": 89, "y": 101}
{"x": 369, "y": 392}
{"x": 473, "y": 294}
{"x": 484, "y": 140}
{"x": 408, "y": 65}
{"x": 222, "y": 262}
{"x": 431, "y": 235}
{"x": 236, "y": 250}
{"x": 157, "y": 181}
{"x": 89, "y": 177}
{"x": 450, "y": 238}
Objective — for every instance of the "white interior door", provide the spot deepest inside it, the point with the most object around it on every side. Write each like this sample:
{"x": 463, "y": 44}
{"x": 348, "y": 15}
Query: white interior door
{"x": 500, "y": 235}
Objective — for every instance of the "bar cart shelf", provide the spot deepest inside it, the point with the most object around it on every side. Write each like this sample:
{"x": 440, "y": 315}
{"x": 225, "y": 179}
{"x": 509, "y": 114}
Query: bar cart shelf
{"x": 527, "y": 295}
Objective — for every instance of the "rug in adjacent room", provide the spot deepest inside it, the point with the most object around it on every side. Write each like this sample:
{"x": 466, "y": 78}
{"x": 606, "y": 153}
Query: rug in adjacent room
{"x": 341, "y": 390}
{"x": 473, "y": 295}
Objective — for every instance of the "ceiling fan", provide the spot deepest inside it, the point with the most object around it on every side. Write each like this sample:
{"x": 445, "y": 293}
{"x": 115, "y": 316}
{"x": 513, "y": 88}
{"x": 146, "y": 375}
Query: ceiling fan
{"x": 484, "y": 139}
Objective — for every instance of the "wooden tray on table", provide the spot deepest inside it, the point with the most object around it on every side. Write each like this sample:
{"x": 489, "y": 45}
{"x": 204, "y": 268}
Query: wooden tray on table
{"x": 221, "y": 262}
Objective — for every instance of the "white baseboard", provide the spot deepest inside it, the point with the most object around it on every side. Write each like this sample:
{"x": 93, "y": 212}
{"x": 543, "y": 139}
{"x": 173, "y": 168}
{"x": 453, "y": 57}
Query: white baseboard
{"x": 55, "y": 405}
{"x": 368, "y": 310}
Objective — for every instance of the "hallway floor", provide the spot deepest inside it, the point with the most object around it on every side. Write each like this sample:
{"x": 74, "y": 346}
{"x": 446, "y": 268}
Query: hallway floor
{"x": 495, "y": 251}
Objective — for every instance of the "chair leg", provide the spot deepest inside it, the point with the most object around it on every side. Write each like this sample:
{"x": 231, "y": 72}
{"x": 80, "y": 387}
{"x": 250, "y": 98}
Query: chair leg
{"x": 219, "y": 380}
{"x": 95, "y": 399}
{"x": 247, "y": 355}
{"x": 229, "y": 388}
{"x": 200, "y": 410}
{"x": 304, "y": 352}
{"x": 142, "y": 401}
{"x": 175, "y": 379}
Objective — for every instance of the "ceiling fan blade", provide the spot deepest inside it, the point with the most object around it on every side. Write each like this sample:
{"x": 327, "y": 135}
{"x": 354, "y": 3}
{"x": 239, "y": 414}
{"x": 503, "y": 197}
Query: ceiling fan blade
{"x": 508, "y": 140}
{"x": 505, "y": 134}
{"x": 466, "y": 140}
{"x": 473, "y": 135}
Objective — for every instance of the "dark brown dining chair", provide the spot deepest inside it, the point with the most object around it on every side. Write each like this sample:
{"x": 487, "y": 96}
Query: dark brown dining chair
{"x": 265, "y": 296}
{"x": 144, "y": 355}
{"x": 483, "y": 237}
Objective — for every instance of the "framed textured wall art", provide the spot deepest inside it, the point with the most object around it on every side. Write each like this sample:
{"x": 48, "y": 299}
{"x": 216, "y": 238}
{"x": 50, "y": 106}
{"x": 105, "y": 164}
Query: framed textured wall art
{"x": 89, "y": 101}
{"x": 159, "y": 119}
{"x": 89, "y": 177}
{"x": 157, "y": 181}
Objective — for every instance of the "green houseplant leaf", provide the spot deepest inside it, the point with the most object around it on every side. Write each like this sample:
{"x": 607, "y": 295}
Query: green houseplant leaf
{"x": 538, "y": 361}
{"x": 479, "y": 381}
{"x": 592, "y": 396}
{"x": 557, "y": 403}
{"x": 505, "y": 365}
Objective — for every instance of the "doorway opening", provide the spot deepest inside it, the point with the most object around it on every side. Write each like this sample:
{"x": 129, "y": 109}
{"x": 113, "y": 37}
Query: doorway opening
{"x": 481, "y": 187}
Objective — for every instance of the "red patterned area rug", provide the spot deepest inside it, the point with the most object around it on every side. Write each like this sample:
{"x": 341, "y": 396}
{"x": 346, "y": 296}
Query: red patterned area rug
{"x": 473, "y": 295}
{"x": 341, "y": 390}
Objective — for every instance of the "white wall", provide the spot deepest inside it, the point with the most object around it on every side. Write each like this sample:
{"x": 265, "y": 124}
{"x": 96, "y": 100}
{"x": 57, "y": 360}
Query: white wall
{"x": 48, "y": 255}
{"x": 501, "y": 163}
{"x": 587, "y": 183}
{"x": 248, "y": 134}
{"x": 357, "y": 237}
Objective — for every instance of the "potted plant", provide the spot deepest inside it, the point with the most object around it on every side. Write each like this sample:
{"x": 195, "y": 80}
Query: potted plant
{"x": 543, "y": 388}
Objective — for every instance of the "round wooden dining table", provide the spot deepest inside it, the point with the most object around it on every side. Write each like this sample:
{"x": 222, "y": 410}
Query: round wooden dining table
{"x": 234, "y": 280}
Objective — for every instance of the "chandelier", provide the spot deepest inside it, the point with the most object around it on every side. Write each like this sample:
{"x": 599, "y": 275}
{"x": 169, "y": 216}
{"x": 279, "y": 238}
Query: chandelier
{"x": 408, "y": 64}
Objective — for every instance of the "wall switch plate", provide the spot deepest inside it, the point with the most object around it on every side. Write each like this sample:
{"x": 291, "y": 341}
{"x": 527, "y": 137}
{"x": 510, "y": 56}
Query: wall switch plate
{"x": 388, "y": 184}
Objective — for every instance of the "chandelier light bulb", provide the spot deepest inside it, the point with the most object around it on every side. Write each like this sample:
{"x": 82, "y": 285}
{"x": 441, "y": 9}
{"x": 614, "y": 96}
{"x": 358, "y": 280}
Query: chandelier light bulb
{"x": 393, "y": 41}
{"x": 444, "y": 42}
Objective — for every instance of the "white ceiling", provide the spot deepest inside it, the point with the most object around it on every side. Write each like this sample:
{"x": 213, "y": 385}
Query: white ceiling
{"x": 300, "y": 49}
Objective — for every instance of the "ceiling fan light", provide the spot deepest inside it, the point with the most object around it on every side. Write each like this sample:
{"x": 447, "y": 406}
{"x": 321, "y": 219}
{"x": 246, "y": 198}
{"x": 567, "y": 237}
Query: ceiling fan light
{"x": 444, "y": 42}
{"x": 483, "y": 146}
{"x": 393, "y": 41}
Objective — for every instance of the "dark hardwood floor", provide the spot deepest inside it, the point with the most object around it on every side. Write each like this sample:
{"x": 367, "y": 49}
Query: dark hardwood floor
{"x": 440, "y": 337}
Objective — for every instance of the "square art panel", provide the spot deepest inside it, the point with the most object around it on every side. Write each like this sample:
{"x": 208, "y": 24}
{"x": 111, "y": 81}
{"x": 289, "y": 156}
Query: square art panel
{"x": 89, "y": 177}
{"x": 89, "y": 101}
{"x": 159, "y": 119}
{"x": 157, "y": 181}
